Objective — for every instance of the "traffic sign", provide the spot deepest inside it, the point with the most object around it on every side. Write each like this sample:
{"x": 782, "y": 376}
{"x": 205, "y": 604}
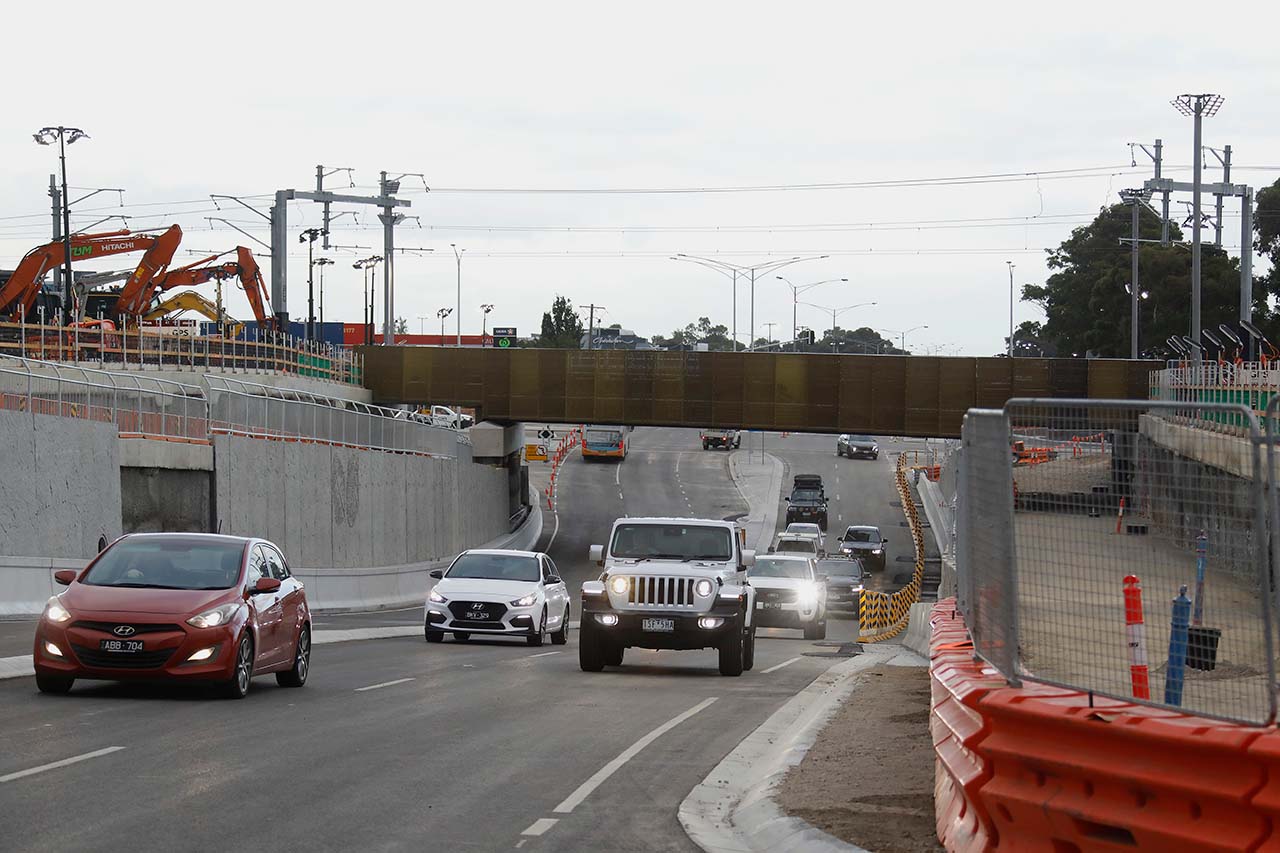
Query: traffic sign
{"x": 546, "y": 434}
{"x": 535, "y": 452}
{"x": 504, "y": 337}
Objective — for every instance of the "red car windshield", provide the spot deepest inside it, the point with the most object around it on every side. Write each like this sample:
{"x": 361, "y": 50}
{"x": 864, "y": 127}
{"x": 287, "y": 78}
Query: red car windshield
{"x": 177, "y": 562}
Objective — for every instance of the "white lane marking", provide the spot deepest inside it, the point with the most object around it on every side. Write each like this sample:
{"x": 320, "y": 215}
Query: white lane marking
{"x": 584, "y": 790}
{"x": 778, "y": 666}
{"x": 541, "y": 825}
{"x": 679, "y": 453}
{"x": 544, "y": 654}
{"x": 520, "y": 843}
{"x": 383, "y": 684}
{"x": 54, "y": 765}
{"x": 617, "y": 475}
{"x": 554, "y": 530}
{"x": 391, "y": 610}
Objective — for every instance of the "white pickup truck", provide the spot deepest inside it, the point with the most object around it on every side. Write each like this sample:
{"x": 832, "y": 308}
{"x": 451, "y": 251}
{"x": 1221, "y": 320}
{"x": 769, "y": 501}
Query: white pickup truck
{"x": 443, "y": 416}
{"x": 669, "y": 583}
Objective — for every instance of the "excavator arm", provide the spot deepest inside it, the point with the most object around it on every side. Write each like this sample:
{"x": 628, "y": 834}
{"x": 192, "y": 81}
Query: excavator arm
{"x": 245, "y": 268}
{"x": 20, "y": 291}
{"x": 137, "y": 292}
{"x": 189, "y": 300}
{"x": 255, "y": 288}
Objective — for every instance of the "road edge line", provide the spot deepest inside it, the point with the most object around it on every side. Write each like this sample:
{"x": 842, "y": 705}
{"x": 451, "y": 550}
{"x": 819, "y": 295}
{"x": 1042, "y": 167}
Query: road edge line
{"x": 732, "y": 810}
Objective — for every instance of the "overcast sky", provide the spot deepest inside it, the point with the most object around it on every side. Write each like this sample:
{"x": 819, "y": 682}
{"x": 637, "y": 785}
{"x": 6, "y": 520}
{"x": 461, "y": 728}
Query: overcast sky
{"x": 247, "y": 98}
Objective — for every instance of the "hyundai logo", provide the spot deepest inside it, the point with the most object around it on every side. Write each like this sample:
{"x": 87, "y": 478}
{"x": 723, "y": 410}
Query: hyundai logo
{"x": 477, "y": 608}
{"x": 124, "y": 630}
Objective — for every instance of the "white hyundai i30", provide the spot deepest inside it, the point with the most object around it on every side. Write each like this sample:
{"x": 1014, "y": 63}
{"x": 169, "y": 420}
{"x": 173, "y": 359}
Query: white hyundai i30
{"x": 492, "y": 592}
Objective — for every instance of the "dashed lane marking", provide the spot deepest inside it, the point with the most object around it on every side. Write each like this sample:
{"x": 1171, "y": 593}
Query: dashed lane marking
{"x": 383, "y": 684}
{"x": 586, "y": 788}
{"x": 541, "y": 825}
{"x": 777, "y": 667}
{"x": 54, "y": 765}
{"x": 543, "y": 654}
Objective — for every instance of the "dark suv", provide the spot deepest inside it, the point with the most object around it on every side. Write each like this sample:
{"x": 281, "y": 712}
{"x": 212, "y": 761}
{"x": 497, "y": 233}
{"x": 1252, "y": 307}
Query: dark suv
{"x": 808, "y": 501}
{"x": 857, "y": 447}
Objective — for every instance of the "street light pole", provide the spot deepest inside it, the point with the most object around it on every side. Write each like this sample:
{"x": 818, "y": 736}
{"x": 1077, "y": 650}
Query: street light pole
{"x": 322, "y": 263}
{"x": 442, "y": 313}
{"x": 484, "y": 320}
{"x": 309, "y": 236}
{"x": 796, "y": 290}
{"x": 65, "y": 136}
{"x": 457, "y": 254}
{"x": 1011, "y": 266}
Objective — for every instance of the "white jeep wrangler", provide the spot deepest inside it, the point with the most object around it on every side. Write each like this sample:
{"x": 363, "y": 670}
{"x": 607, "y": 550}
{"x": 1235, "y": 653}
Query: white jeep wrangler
{"x": 669, "y": 583}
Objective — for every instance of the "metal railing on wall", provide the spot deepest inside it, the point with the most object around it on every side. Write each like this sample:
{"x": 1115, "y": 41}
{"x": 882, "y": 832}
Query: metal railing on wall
{"x": 148, "y": 406}
{"x": 1251, "y": 385}
{"x": 1135, "y": 567}
{"x": 143, "y": 348}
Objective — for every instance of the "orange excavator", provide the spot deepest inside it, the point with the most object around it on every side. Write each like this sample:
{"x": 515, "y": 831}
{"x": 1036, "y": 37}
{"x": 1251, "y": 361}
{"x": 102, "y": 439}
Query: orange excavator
{"x": 23, "y": 287}
{"x": 244, "y": 267}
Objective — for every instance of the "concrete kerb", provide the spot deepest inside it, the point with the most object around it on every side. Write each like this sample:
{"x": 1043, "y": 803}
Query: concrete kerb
{"x": 733, "y": 809}
{"x": 760, "y": 485}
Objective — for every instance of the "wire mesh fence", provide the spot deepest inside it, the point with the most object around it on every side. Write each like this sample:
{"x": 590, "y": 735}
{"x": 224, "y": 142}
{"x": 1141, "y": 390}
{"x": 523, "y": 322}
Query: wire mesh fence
{"x": 1121, "y": 548}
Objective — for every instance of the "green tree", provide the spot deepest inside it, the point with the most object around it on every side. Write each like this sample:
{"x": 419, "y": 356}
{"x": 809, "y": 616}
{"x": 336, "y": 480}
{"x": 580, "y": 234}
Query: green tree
{"x": 1087, "y": 307}
{"x": 716, "y": 336}
{"x": 561, "y": 326}
{"x": 402, "y": 326}
{"x": 1028, "y": 343}
{"x": 1266, "y": 225}
{"x": 864, "y": 340}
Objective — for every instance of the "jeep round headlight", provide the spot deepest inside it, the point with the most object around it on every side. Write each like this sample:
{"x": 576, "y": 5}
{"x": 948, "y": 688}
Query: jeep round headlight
{"x": 704, "y": 587}
{"x": 619, "y": 585}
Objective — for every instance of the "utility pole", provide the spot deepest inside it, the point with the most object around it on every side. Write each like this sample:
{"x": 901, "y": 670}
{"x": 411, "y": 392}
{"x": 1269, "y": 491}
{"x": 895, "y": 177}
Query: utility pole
{"x": 422, "y": 325}
{"x": 309, "y": 236}
{"x": 1224, "y": 159}
{"x": 1135, "y": 199}
{"x": 591, "y": 324}
{"x": 1198, "y": 107}
{"x": 322, "y": 263}
{"x": 56, "y": 196}
{"x": 1246, "y": 267}
{"x": 1011, "y": 266}
{"x": 769, "y": 334}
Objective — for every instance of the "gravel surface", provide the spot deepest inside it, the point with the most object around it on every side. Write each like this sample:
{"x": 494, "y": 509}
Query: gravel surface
{"x": 868, "y": 779}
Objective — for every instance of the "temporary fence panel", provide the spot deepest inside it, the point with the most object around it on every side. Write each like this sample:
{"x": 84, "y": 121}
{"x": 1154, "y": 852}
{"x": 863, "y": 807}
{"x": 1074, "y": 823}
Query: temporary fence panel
{"x": 1170, "y": 500}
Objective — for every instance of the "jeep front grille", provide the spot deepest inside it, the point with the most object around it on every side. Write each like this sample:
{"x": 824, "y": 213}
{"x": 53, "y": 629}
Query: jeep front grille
{"x": 650, "y": 591}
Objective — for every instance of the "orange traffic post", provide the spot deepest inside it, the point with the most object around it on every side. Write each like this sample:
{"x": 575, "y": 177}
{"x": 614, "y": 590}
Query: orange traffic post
{"x": 1135, "y": 635}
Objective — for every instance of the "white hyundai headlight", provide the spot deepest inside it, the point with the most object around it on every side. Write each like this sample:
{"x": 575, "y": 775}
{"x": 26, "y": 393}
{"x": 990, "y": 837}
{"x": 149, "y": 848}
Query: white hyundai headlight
{"x": 704, "y": 587}
{"x": 436, "y": 597}
{"x": 807, "y": 595}
{"x": 877, "y": 551}
{"x": 55, "y": 612}
{"x": 220, "y": 615}
{"x": 619, "y": 585}
{"x": 526, "y": 600}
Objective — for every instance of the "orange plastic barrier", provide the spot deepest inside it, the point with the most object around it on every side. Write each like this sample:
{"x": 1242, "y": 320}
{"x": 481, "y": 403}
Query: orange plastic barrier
{"x": 1043, "y": 768}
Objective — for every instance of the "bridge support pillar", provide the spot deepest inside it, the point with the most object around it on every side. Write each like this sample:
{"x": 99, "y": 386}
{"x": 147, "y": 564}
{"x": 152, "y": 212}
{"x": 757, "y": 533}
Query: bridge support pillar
{"x": 502, "y": 445}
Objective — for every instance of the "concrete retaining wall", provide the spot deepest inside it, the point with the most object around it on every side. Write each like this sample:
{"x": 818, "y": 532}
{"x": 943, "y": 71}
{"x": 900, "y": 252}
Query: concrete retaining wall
{"x": 340, "y": 508}
{"x": 59, "y": 485}
{"x": 165, "y": 500}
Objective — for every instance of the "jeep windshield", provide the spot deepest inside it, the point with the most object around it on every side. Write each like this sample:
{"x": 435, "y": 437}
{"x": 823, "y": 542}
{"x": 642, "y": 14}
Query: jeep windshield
{"x": 671, "y": 542}
{"x": 806, "y": 496}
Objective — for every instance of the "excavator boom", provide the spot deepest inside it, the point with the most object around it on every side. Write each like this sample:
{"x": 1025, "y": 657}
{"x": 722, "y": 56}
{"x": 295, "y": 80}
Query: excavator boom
{"x": 20, "y": 291}
{"x": 189, "y": 300}
{"x": 245, "y": 268}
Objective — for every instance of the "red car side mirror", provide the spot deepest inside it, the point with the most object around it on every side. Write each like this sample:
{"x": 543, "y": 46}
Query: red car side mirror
{"x": 64, "y": 576}
{"x": 265, "y": 585}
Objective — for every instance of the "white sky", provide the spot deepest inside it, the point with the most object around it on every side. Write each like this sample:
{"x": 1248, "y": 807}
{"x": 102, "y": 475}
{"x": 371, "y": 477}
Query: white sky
{"x": 243, "y": 98}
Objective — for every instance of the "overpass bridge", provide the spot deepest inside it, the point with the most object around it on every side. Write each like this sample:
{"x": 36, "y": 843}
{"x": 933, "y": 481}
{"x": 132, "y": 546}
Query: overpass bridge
{"x": 798, "y": 392}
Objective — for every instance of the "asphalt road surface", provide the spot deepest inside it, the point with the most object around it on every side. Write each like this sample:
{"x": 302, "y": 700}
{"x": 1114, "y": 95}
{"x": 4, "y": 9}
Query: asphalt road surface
{"x": 396, "y": 744}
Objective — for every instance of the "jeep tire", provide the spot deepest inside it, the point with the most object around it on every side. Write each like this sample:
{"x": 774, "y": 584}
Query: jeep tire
{"x": 733, "y": 652}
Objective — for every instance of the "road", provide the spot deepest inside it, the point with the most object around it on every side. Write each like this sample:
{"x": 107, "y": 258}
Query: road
{"x": 396, "y": 744}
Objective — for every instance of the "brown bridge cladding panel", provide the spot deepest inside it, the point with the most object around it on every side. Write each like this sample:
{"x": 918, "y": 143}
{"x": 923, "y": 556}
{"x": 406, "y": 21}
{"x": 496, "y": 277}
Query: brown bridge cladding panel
{"x": 880, "y": 395}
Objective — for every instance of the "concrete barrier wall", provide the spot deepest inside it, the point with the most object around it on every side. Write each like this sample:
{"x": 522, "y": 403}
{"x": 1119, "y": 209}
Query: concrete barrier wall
{"x": 340, "y": 508}
{"x": 59, "y": 485}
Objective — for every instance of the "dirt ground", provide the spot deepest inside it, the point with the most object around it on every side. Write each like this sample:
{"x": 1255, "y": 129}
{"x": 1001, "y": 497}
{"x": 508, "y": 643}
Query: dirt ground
{"x": 869, "y": 777}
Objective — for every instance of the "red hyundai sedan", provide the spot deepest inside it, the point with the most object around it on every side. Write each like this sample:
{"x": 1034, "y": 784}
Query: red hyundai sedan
{"x": 183, "y": 607}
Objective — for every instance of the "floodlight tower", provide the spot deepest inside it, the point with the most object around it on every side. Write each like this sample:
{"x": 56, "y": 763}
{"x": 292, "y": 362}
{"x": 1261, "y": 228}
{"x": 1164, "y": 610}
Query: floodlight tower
{"x": 1198, "y": 107}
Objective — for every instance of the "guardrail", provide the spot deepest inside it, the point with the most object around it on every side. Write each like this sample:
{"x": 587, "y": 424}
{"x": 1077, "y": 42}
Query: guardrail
{"x": 137, "y": 404}
{"x": 142, "y": 348}
{"x": 239, "y": 407}
{"x": 881, "y": 615}
{"x": 147, "y": 406}
{"x": 1138, "y": 570}
{"x": 1251, "y": 385}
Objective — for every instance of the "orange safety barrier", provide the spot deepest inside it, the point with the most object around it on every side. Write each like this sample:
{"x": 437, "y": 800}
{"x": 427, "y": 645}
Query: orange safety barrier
{"x": 1044, "y": 768}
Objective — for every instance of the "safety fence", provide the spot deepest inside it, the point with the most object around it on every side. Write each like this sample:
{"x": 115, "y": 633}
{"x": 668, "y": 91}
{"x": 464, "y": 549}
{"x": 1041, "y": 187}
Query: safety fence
{"x": 139, "y": 405}
{"x": 179, "y": 348}
{"x": 883, "y": 615}
{"x": 1251, "y": 385}
{"x": 244, "y": 408}
{"x": 1133, "y": 564}
{"x": 146, "y": 406}
{"x": 1043, "y": 767}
